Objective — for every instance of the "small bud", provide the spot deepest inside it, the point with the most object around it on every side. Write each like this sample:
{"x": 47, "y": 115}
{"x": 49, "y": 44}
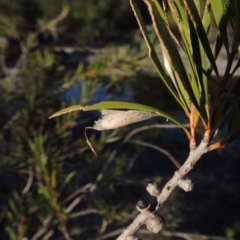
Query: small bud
{"x": 155, "y": 223}
{"x": 143, "y": 205}
{"x": 153, "y": 188}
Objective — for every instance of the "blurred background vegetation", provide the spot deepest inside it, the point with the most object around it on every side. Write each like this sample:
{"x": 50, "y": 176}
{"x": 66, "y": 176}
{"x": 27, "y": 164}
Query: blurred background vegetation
{"x": 54, "y": 54}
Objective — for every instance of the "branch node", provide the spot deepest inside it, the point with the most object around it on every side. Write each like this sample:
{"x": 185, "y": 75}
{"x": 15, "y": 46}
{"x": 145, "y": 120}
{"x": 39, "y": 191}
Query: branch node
{"x": 189, "y": 167}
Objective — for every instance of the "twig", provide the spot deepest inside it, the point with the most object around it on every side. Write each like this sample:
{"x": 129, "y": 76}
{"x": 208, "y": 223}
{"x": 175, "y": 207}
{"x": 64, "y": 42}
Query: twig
{"x": 43, "y": 229}
{"x": 140, "y": 129}
{"x": 165, "y": 152}
{"x": 52, "y": 24}
{"x": 73, "y": 204}
{"x": 11, "y": 121}
{"x": 167, "y": 190}
{"x": 48, "y": 234}
{"x": 84, "y": 212}
{"x": 78, "y": 191}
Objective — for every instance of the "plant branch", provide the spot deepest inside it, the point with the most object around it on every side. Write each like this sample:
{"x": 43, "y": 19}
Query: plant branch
{"x": 181, "y": 235}
{"x": 141, "y": 219}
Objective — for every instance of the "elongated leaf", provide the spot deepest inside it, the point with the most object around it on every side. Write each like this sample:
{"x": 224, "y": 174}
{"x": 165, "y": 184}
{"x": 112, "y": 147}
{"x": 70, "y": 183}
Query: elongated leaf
{"x": 236, "y": 36}
{"x": 196, "y": 83}
{"x": 53, "y": 178}
{"x": 192, "y": 49}
{"x": 217, "y": 48}
{"x": 68, "y": 110}
{"x": 193, "y": 14}
{"x": 120, "y": 105}
{"x": 11, "y": 233}
{"x": 181, "y": 19}
{"x": 153, "y": 55}
{"x": 173, "y": 56}
{"x": 218, "y": 10}
{"x": 195, "y": 118}
{"x": 206, "y": 19}
{"x": 200, "y": 83}
{"x": 68, "y": 178}
{"x": 198, "y": 4}
{"x": 218, "y": 13}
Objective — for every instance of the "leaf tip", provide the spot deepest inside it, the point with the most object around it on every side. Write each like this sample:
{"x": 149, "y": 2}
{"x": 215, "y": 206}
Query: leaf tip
{"x": 68, "y": 110}
{"x": 53, "y": 115}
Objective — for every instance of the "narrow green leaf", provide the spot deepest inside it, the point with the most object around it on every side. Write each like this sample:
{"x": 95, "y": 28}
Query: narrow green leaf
{"x": 53, "y": 178}
{"x": 193, "y": 14}
{"x": 196, "y": 83}
{"x": 206, "y": 19}
{"x": 14, "y": 208}
{"x": 218, "y": 10}
{"x": 203, "y": 84}
{"x": 43, "y": 190}
{"x": 218, "y": 13}
{"x": 153, "y": 55}
{"x": 217, "y": 48}
{"x": 174, "y": 58}
{"x": 236, "y": 36}
{"x": 191, "y": 47}
{"x": 68, "y": 178}
{"x": 11, "y": 233}
{"x": 120, "y": 105}
{"x": 181, "y": 19}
